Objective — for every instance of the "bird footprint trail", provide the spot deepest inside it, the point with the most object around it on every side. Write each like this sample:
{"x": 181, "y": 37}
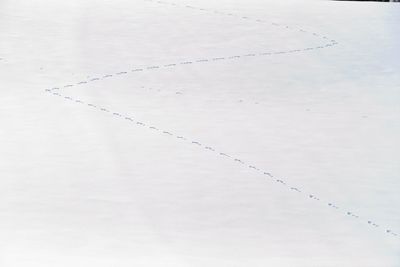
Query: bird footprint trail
{"x": 326, "y": 43}
{"x": 267, "y": 175}
{"x": 56, "y": 92}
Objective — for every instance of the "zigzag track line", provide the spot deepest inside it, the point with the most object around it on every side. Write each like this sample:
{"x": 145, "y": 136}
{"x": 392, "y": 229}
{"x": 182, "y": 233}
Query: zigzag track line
{"x": 328, "y": 43}
{"x": 198, "y": 144}
{"x": 260, "y": 171}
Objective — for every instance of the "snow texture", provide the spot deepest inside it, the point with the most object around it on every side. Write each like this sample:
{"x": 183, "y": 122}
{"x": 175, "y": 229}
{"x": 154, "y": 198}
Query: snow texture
{"x": 199, "y": 133}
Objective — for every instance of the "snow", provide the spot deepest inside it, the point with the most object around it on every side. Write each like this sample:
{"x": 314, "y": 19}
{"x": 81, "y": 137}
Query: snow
{"x": 199, "y": 133}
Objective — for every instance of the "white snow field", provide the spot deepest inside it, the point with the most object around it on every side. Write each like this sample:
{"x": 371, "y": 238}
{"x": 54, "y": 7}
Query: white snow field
{"x": 199, "y": 133}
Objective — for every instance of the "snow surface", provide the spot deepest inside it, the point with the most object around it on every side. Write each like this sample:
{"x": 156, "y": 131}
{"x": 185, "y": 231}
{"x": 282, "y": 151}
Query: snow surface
{"x": 199, "y": 133}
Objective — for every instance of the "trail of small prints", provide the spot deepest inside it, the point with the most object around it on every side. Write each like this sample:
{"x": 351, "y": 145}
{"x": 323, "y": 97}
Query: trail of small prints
{"x": 268, "y": 175}
{"x": 56, "y": 92}
{"x": 173, "y": 65}
{"x": 327, "y": 43}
